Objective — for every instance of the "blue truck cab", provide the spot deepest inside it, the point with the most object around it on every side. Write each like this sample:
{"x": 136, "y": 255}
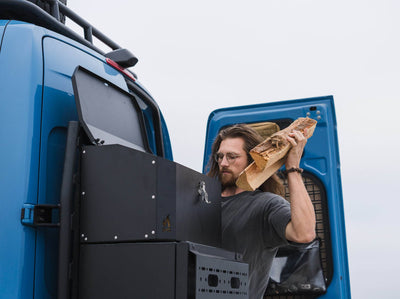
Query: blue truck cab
{"x": 39, "y": 57}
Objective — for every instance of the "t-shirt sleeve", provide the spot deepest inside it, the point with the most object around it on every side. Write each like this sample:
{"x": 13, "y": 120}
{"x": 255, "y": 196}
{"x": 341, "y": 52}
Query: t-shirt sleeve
{"x": 276, "y": 217}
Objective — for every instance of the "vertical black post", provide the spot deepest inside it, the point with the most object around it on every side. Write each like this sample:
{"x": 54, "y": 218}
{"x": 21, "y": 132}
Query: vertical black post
{"x": 66, "y": 209}
{"x": 88, "y": 33}
{"x": 54, "y": 10}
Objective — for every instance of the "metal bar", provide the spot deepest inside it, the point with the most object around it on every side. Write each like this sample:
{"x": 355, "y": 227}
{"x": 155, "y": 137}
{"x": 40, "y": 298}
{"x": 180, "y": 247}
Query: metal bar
{"x": 105, "y": 39}
{"x": 89, "y": 34}
{"x": 66, "y": 209}
{"x": 85, "y": 25}
{"x": 31, "y": 13}
{"x": 55, "y": 11}
{"x": 89, "y": 30}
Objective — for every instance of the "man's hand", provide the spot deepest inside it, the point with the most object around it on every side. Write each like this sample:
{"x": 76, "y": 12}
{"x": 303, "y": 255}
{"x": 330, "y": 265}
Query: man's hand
{"x": 298, "y": 142}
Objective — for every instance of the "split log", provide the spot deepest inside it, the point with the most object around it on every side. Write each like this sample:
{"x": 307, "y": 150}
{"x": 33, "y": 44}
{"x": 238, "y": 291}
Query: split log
{"x": 276, "y": 147}
{"x": 270, "y": 155}
{"x": 265, "y": 129}
{"x": 253, "y": 177}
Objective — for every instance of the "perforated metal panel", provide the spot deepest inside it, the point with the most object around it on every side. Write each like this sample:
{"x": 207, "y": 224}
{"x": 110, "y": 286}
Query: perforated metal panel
{"x": 217, "y": 277}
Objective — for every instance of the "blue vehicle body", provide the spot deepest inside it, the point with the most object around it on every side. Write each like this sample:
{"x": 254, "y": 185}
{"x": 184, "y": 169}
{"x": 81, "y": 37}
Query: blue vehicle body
{"x": 36, "y": 104}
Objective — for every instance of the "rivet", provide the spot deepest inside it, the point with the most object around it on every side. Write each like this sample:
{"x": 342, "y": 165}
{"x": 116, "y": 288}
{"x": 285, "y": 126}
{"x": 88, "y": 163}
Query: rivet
{"x": 153, "y": 232}
{"x": 146, "y": 236}
{"x": 85, "y": 238}
{"x": 153, "y": 197}
{"x": 83, "y": 193}
{"x": 318, "y": 112}
{"x": 318, "y": 117}
{"x": 308, "y": 113}
{"x": 115, "y": 237}
{"x": 153, "y": 162}
{"x": 84, "y": 152}
{"x": 82, "y": 235}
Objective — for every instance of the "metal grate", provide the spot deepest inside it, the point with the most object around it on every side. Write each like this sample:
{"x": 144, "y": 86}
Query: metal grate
{"x": 317, "y": 194}
{"x": 216, "y": 277}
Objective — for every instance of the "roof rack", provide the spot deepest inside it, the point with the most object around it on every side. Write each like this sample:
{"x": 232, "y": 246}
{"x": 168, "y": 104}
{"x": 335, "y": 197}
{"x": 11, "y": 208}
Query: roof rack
{"x": 89, "y": 31}
{"x": 53, "y": 19}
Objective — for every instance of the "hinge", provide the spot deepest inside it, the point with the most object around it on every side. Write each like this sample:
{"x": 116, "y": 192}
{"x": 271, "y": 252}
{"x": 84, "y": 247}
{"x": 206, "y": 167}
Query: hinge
{"x": 42, "y": 215}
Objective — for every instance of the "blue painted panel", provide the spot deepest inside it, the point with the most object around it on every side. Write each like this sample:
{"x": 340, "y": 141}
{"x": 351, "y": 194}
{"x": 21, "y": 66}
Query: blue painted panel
{"x": 20, "y": 113}
{"x": 167, "y": 140}
{"x": 3, "y": 24}
{"x": 33, "y": 139}
{"x": 36, "y": 104}
{"x": 321, "y": 158}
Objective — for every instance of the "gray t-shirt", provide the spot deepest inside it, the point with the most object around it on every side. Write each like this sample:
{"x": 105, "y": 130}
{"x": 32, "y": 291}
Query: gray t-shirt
{"x": 253, "y": 224}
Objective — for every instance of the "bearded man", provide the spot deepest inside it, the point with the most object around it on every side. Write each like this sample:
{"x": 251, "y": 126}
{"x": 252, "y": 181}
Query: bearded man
{"x": 257, "y": 223}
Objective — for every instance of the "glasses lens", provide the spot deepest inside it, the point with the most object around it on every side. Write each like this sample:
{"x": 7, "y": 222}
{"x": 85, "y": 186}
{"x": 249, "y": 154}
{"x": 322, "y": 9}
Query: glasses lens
{"x": 230, "y": 157}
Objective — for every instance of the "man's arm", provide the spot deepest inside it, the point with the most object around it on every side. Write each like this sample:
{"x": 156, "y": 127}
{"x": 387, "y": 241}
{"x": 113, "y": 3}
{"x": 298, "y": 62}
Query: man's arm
{"x": 301, "y": 228}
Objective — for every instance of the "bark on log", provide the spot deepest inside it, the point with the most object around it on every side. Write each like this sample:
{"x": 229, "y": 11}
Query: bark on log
{"x": 271, "y": 154}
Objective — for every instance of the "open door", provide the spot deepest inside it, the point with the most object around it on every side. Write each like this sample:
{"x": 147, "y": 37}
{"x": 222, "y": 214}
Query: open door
{"x": 321, "y": 174}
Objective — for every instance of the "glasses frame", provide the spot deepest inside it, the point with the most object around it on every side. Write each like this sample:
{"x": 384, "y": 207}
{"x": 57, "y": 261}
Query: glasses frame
{"x": 230, "y": 157}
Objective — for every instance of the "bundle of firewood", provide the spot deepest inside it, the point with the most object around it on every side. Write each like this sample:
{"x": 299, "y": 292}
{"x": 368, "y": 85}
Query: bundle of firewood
{"x": 271, "y": 154}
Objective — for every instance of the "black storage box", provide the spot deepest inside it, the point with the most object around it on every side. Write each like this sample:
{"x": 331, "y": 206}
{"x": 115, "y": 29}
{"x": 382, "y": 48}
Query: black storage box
{"x": 168, "y": 270}
{"x": 130, "y": 195}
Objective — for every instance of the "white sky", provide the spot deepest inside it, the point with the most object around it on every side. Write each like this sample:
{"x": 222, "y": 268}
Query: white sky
{"x": 197, "y": 56}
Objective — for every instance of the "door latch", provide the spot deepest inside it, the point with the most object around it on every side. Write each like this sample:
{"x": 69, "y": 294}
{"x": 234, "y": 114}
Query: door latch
{"x": 203, "y": 192}
{"x": 42, "y": 215}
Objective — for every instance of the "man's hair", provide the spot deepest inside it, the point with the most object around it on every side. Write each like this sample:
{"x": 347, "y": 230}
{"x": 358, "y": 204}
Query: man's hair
{"x": 251, "y": 139}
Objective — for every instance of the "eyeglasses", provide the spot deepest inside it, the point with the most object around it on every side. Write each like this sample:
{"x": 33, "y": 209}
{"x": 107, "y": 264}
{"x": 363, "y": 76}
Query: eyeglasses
{"x": 230, "y": 157}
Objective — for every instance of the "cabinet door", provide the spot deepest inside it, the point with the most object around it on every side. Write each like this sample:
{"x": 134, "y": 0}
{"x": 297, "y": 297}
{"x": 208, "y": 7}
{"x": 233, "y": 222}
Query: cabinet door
{"x": 321, "y": 173}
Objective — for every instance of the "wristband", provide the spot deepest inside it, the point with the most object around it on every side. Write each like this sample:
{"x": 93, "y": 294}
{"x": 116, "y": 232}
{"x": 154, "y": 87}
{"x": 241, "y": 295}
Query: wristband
{"x": 293, "y": 169}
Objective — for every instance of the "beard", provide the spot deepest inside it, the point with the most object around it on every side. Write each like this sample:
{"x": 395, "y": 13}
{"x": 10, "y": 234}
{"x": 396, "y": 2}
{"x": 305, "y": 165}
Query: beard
{"x": 227, "y": 179}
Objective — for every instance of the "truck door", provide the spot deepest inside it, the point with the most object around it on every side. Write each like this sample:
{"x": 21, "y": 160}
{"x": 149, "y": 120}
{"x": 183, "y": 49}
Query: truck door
{"x": 321, "y": 173}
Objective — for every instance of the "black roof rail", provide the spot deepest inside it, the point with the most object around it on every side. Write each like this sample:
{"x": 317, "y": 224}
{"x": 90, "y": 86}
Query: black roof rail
{"x": 27, "y": 11}
{"x": 88, "y": 29}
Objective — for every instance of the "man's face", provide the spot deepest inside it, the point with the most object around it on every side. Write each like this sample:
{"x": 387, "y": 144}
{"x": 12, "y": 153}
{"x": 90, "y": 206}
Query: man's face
{"x": 232, "y": 161}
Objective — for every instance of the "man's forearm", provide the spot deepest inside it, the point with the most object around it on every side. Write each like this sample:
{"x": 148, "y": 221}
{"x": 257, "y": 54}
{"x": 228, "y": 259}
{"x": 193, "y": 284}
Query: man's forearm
{"x": 301, "y": 228}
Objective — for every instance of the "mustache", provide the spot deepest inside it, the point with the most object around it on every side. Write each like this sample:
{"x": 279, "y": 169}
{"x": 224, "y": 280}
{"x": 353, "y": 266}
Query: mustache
{"x": 225, "y": 170}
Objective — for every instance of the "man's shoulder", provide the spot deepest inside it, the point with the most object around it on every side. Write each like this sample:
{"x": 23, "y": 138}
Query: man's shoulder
{"x": 254, "y": 198}
{"x": 251, "y": 194}
{"x": 267, "y": 200}
{"x": 266, "y": 196}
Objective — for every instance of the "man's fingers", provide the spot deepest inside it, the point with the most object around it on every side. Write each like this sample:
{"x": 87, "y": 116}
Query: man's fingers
{"x": 291, "y": 140}
{"x": 298, "y": 136}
